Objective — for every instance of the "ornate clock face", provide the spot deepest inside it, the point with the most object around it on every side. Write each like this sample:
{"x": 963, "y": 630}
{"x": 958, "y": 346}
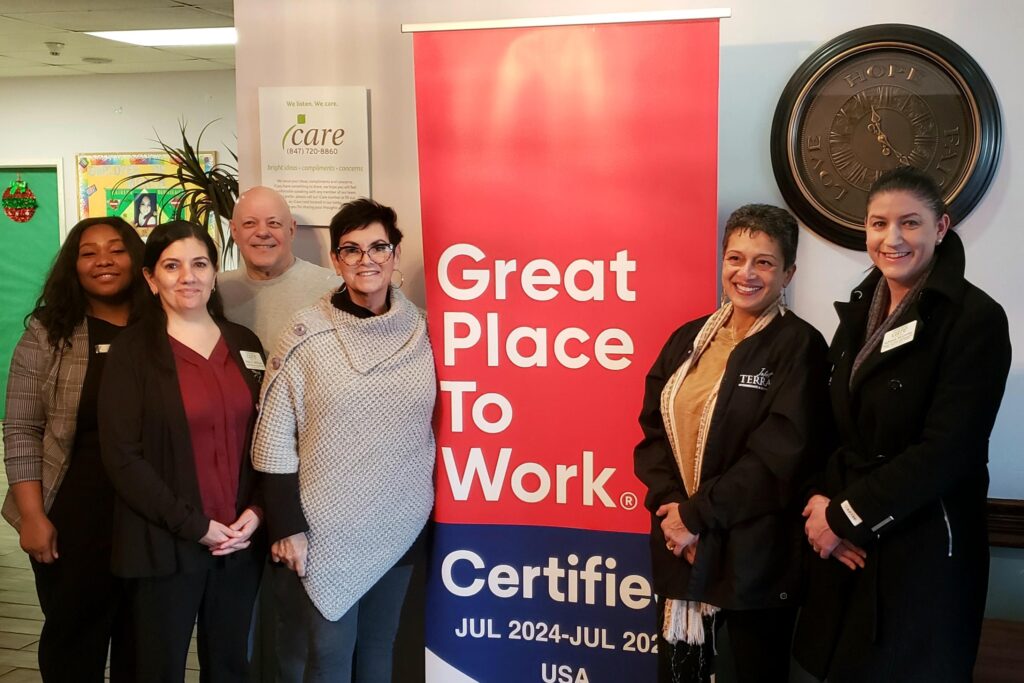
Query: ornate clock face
{"x": 874, "y": 99}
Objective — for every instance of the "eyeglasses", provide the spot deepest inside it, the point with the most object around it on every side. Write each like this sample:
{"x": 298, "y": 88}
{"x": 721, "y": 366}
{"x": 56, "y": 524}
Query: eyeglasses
{"x": 353, "y": 256}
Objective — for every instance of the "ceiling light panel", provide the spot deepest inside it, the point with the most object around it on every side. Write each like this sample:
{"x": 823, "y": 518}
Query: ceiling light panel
{"x": 173, "y": 37}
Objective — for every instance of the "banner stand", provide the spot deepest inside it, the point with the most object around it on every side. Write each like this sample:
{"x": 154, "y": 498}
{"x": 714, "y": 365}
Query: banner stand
{"x": 568, "y": 178}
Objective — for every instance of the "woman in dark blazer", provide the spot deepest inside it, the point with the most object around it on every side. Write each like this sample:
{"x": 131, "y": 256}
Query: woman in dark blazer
{"x": 177, "y": 410}
{"x": 735, "y": 421}
{"x": 920, "y": 362}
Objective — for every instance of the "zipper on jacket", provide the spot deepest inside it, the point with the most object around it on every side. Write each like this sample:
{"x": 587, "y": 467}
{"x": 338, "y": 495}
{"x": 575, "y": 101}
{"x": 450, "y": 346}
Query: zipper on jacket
{"x": 949, "y": 529}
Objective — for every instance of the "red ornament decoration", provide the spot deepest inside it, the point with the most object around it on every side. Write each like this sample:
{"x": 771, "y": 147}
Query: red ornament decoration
{"x": 19, "y": 202}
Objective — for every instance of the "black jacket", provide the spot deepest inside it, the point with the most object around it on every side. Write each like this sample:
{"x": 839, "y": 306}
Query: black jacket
{"x": 147, "y": 451}
{"x": 761, "y": 448}
{"x": 909, "y": 484}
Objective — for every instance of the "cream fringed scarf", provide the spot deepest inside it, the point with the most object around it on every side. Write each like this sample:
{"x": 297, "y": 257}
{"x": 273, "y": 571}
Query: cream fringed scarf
{"x": 684, "y": 618}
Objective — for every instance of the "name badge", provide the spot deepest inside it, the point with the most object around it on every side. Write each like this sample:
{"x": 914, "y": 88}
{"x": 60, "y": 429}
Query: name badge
{"x": 899, "y": 336}
{"x": 253, "y": 361}
{"x": 850, "y": 513}
{"x": 101, "y": 348}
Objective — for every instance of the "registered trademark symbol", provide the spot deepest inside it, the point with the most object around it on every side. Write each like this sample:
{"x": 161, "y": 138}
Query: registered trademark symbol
{"x": 628, "y": 500}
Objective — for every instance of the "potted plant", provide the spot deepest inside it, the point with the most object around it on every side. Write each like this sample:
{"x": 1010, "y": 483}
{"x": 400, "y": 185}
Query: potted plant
{"x": 198, "y": 192}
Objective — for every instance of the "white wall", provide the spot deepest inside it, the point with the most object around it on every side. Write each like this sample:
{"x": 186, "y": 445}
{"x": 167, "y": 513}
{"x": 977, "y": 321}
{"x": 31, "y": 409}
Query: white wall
{"x": 46, "y": 118}
{"x": 358, "y": 42}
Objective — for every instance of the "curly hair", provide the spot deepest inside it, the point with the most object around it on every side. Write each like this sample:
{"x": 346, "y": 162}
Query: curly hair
{"x": 777, "y": 223}
{"x": 62, "y": 304}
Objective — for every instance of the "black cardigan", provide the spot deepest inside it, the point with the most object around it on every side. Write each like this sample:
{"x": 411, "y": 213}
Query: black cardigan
{"x": 762, "y": 448}
{"x": 147, "y": 451}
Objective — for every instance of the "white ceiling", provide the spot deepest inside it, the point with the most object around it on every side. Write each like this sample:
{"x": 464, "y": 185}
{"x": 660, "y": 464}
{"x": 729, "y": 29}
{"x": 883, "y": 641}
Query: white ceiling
{"x": 26, "y": 25}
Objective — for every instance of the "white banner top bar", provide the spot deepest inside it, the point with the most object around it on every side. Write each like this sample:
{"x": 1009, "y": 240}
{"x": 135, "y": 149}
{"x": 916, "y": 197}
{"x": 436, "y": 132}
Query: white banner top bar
{"x": 615, "y": 18}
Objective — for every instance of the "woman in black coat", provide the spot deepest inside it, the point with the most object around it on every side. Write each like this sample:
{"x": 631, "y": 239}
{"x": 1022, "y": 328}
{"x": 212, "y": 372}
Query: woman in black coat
{"x": 734, "y": 417}
{"x": 177, "y": 409}
{"x": 920, "y": 362}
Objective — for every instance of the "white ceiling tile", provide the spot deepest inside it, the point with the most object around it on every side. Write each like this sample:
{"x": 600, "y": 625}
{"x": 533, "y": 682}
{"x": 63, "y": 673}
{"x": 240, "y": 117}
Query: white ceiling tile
{"x": 25, "y": 25}
{"x": 186, "y": 65}
{"x": 9, "y": 26}
{"x": 39, "y": 70}
{"x": 72, "y": 56}
{"x": 114, "y": 20}
{"x": 17, "y": 6}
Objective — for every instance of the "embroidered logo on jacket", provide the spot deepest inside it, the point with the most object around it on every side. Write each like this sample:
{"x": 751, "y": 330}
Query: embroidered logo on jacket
{"x": 761, "y": 381}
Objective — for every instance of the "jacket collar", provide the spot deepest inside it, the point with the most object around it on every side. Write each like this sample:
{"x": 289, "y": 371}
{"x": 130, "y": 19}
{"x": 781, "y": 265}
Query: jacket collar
{"x": 946, "y": 281}
{"x": 946, "y": 278}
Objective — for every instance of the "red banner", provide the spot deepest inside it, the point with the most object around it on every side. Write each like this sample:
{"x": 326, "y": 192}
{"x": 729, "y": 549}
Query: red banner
{"x": 568, "y": 188}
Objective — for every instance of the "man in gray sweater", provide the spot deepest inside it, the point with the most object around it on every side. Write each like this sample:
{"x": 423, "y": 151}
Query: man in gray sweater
{"x": 264, "y": 294}
{"x": 273, "y": 284}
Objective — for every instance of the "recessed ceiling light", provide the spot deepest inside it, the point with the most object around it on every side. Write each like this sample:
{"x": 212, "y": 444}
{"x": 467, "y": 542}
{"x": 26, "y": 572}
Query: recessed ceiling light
{"x": 97, "y": 60}
{"x": 177, "y": 37}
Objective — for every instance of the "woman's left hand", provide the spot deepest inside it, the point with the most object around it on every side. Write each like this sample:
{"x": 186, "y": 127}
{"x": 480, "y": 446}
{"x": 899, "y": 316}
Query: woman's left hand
{"x": 819, "y": 534}
{"x": 246, "y": 524}
{"x": 677, "y": 536}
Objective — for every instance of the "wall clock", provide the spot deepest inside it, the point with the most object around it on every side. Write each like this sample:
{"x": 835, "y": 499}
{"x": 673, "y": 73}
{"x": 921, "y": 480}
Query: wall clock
{"x": 870, "y": 100}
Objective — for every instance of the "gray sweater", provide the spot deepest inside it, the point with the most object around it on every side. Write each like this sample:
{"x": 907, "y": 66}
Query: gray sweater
{"x": 264, "y": 306}
{"x": 347, "y": 403}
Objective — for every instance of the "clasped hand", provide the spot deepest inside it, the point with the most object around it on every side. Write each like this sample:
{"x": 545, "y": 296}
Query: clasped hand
{"x": 677, "y": 537}
{"x": 824, "y": 541}
{"x": 224, "y": 540}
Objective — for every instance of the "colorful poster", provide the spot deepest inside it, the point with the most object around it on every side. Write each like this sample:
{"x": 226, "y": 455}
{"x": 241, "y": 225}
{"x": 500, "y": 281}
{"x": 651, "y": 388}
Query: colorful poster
{"x": 315, "y": 148}
{"x": 104, "y": 191}
{"x": 568, "y": 190}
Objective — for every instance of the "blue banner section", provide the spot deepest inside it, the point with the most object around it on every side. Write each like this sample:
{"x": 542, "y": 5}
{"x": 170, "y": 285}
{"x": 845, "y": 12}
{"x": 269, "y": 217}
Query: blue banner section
{"x": 517, "y": 604}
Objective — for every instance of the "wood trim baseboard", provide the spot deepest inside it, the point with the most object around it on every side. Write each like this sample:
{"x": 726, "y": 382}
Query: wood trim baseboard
{"x": 1006, "y": 522}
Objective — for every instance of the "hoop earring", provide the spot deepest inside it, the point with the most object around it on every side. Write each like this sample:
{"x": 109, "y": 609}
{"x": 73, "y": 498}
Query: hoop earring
{"x": 401, "y": 280}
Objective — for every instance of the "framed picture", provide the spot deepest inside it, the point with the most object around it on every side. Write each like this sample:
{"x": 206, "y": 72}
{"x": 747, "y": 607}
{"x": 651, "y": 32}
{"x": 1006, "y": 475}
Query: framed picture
{"x": 104, "y": 191}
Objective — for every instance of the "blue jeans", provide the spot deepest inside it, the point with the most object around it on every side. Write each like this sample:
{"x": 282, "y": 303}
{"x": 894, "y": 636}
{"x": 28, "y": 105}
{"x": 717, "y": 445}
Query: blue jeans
{"x": 312, "y": 649}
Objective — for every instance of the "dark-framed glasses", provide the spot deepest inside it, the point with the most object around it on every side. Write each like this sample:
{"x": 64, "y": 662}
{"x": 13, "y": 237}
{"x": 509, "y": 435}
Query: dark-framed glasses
{"x": 378, "y": 253}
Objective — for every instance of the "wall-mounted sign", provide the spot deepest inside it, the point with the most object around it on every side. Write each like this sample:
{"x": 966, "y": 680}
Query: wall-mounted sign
{"x": 315, "y": 148}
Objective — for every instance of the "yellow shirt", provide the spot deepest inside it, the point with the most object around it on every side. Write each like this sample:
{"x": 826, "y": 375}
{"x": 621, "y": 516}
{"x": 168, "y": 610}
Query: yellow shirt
{"x": 693, "y": 396}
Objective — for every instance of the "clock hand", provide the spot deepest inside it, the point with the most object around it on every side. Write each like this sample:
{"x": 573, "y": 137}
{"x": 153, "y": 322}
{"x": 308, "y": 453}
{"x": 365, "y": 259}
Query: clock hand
{"x": 875, "y": 128}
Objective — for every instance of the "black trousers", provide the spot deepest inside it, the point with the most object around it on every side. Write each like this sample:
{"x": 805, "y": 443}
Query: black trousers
{"x": 82, "y": 603}
{"x": 761, "y": 641}
{"x": 218, "y": 600}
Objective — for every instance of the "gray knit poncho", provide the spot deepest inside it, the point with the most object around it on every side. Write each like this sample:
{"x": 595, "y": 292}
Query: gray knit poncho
{"x": 347, "y": 403}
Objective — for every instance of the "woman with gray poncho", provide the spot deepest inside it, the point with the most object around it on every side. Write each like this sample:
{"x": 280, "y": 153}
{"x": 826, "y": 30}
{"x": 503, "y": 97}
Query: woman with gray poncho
{"x": 345, "y": 438}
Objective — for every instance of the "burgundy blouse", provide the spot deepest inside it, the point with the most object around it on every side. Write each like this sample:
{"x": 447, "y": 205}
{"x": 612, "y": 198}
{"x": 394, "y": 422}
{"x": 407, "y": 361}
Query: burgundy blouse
{"x": 218, "y": 407}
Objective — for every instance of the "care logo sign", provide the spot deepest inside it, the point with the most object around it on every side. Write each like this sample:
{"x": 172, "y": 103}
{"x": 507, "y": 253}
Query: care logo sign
{"x": 315, "y": 148}
{"x": 301, "y": 139}
{"x": 569, "y": 227}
